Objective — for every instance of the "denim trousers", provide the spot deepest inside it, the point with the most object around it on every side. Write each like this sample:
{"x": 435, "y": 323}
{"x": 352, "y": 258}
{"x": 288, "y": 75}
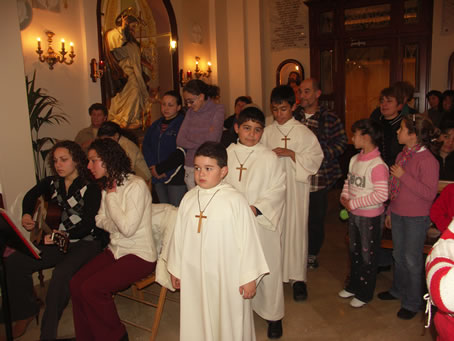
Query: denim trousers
{"x": 409, "y": 234}
{"x": 364, "y": 239}
{"x": 170, "y": 194}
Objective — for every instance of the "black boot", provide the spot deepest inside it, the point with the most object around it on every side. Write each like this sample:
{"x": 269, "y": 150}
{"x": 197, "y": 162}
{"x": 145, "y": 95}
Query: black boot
{"x": 299, "y": 291}
{"x": 125, "y": 337}
{"x": 274, "y": 329}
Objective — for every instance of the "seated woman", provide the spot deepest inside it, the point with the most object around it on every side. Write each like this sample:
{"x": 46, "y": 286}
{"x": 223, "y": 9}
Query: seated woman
{"x": 131, "y": 255}
{"x": 445, "y": 154}
{"x": 126, "y": 141}
{"x": 79, "y": 200}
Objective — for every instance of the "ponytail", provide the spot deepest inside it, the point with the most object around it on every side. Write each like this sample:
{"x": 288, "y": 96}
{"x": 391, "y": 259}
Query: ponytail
{"x": 426, "y": 133}
{"x": 197, "y": 87}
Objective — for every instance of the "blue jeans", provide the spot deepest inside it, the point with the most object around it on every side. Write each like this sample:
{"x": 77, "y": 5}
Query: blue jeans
{"x": 170, "y": 194}
{"x": 409, "y": 234}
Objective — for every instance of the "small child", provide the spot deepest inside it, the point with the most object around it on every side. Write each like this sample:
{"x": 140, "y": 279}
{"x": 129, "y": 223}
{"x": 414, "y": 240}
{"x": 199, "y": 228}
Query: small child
{"x": 413, "y": 187}
{"x": 161, "y": 153}
{"x": 215, "y": 256}
{"x": 365, "y": 190}
{"x": 256, "y": 172}
{"x": 300, "y": 154}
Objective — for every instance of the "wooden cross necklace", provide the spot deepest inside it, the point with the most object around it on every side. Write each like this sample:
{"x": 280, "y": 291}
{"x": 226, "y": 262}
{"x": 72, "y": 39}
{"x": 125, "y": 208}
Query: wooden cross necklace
{"x": 241, "y": 168}
{"x": 201, "y": 216}
{"x": 285, "y": 138}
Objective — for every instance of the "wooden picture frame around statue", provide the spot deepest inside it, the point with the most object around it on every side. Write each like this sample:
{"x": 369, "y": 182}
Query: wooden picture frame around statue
{"x": 451, "y": 72}
{"x": 138, "y": 35}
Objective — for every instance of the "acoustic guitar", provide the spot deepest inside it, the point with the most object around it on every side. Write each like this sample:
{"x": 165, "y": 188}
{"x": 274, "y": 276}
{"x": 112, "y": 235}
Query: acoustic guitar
{"x": 47, "y": 217}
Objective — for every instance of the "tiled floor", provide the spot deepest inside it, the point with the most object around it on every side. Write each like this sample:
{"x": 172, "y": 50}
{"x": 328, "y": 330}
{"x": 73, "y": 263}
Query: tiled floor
{"x": 324, "y": 316}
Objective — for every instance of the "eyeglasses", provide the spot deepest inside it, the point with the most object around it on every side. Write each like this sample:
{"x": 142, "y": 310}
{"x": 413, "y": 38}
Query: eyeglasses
{"x": 190, "y": 101}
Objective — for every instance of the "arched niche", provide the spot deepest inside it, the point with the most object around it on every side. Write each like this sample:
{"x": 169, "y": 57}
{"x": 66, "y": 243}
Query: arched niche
{"x": 161, "y": 28}
{"x": 285, "y": 68}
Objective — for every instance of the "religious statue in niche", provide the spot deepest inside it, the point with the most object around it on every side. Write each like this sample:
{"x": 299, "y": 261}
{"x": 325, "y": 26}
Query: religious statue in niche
{"x": 130, "y": 76}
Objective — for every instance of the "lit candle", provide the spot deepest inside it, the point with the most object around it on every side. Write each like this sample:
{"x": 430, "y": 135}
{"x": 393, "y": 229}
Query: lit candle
{"x": 101, "y": 65}
{"x": 173, "y": 44}
{"x": 209, "y": 66}
{"x": 63, "y": 44}
{"x": 39, "y": 43}
{"x": 72, "y": 47}
{"x": 189, "y": 74}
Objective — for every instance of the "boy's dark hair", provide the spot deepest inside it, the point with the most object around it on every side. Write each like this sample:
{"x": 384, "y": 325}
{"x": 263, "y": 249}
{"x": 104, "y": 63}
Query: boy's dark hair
{"x": 98, "y": 106}
{"x": 174, "y": 94}
{"x": 245, "y": 99}
{"x": 369, "y": 127}
{"x": 449, "y": 93}
{"x": 446, "y": 125}
{"x": 109, "y": 129}
{"x": 426, "y": 132}
{"x": 392, "y": 92}
{"x": 435, "y": 93}
{"x": 283, "y": 93}
{"x": 214, "y": 150}
{"x": 251, "y": 114}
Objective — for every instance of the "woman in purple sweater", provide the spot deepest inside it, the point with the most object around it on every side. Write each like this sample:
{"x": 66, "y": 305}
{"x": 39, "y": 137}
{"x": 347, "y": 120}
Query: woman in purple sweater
{"x": 203, "y": 122}
{"x": 413, "y": 187}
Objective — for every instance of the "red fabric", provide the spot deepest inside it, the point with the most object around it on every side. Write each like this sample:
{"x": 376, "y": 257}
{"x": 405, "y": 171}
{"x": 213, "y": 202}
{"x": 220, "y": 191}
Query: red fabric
{"x": 442, "y": 211}
{"x": 445, "y": 327}
{"x": 94, "y": 311}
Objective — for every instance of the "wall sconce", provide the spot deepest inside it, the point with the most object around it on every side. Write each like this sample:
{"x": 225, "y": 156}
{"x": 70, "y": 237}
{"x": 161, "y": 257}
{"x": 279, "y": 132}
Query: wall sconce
{"x": 173, "y": 45}
{"x": 53, "y": 57}
{"x": 198, "y": 73}
{"x": 96, "y": 69}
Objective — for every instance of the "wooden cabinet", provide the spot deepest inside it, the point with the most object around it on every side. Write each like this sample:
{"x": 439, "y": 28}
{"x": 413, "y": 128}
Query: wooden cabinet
{"x": 360, "y": 47}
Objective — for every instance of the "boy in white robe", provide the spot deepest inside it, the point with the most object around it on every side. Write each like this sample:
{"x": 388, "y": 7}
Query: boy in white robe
{"x": 301, "y": 155}
{"x": 215, "y": 255}
{"x": 256, "y": 171}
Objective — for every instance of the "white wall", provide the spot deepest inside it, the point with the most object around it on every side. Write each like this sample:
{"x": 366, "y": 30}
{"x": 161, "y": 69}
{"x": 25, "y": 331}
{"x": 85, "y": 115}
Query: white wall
{"x": 272, "y": 59}
{"x": 17, "y": 172}
{"x": 70, "y": 84}
{"x": 442, "y": 48}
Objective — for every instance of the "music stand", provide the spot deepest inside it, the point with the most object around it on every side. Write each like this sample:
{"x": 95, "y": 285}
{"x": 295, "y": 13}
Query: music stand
{"x": 13, "y": 237}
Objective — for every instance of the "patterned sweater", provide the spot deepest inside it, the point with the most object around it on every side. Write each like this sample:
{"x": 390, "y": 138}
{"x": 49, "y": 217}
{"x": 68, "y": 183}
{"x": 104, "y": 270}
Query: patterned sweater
{"x": 366, "y": 186}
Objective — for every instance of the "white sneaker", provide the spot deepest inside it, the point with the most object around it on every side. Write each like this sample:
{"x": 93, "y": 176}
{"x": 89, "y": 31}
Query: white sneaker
{"x": 345, "y": 294}
{"x": 355, "y": 303}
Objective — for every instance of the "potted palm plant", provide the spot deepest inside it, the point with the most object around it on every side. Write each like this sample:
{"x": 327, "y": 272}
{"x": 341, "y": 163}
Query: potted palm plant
{"x": 43, "y": 110}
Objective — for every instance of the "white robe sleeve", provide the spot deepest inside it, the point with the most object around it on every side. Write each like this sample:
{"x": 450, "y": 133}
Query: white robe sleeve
{"x": 253, "y": 264}
{"x": 308, "y": 157}
{"x": 175, "y": 246}
{"x": 271, "y": 201}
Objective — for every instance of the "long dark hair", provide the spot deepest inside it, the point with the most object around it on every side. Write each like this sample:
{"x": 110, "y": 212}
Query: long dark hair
{"x": 197, "y": 87}
{"x": 117, "y": 163}
{"x": 77, "y": 154}
{"x": 426, "y": 132}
